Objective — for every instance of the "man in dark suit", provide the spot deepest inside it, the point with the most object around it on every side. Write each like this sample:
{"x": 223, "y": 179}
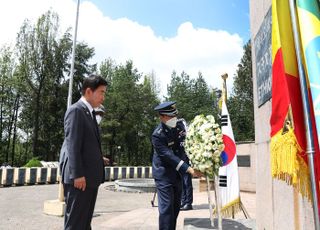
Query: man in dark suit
{"x": 81, "y": 161}
{"x": 167, "y": 164}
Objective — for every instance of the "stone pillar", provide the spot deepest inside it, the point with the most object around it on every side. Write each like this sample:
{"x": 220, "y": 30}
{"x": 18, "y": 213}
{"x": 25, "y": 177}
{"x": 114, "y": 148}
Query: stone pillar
{"x": 115, "y": 175}
{"x": 119, "y": 173}
{"x": 107, "y": 173}
{"x": 7, "y": 177}
{"x": 278, "y": 205}
{"x": 131, "y": 172}
{"x": 139, "y": 172}
{"x": 42, "y": 175}
{"x": 52, "y": 175}
{"x": 19, "y": 176}
{"x": 31, "y": 176}
{"x": 151, "y": 175}
{"x": 135, "y": 172}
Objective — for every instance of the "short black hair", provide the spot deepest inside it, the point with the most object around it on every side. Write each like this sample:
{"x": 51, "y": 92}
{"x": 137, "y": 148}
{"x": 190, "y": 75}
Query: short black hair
{"x": 93, "y": 82}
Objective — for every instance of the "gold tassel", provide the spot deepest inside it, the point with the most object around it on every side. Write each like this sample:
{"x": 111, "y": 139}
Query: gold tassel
{"x": 287, "y": 165}
{"x": 230, "y": 209}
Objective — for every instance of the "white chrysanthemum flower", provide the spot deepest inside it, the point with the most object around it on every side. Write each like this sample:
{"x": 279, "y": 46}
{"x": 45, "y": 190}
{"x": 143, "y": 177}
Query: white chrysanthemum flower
{"x": 204, "y": 144}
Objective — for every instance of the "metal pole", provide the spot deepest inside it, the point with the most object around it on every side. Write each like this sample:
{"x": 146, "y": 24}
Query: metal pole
{"x": 61, "y": 195}
{"x": 72, "y": 58}
{"x": 224, "y": 87}
{"x": 306, "y": 108}
{"x": 210, "y": 202}
{"x": 218, "y": 201}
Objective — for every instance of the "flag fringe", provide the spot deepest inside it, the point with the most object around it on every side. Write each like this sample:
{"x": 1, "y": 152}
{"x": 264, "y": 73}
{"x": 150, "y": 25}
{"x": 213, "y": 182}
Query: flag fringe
{"x": 287, "y": 164}
{"x": 231, "y": 208}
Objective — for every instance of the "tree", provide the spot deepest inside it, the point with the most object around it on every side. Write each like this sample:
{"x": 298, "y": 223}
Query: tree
{"x": 193, "y": 96}
{"x": 180, "y": 90}
{"x": 35, "y": 45}
{"x": 9, "y": 105}
{"x": 204, "y": 100}
{"x": 240, "y": 104}
{"x": 43, "y": 64}
{"x": 130, "y": 119}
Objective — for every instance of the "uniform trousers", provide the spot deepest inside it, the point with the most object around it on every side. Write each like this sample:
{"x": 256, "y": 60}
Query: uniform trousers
{"x": 169, "y": 198}
{"x": 187, "y": 190}
{"x": 79, "y": 207}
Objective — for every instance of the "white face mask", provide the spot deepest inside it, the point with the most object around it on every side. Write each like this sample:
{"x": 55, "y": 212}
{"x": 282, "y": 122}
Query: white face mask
{"x": 172, "y": 123}
{"x": 98, "y": 118}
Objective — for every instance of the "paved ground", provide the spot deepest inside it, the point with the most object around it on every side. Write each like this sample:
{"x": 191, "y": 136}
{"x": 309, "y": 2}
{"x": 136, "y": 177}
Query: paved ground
{"x": 22, "y": 208}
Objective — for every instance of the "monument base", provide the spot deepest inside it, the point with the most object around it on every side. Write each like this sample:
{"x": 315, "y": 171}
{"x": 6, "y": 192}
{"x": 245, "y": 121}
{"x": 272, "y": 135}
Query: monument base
{"x": 204, "y": 223}
{"x": 54, "y": 207}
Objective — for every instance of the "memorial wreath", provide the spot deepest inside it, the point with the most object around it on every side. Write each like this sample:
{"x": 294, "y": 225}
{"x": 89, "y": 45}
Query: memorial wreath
{"x": 204, "y": 145}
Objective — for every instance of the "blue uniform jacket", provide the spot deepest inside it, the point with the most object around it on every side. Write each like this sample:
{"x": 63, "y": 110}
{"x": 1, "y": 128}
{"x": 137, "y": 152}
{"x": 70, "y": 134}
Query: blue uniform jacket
{"x": 169, "y": 156}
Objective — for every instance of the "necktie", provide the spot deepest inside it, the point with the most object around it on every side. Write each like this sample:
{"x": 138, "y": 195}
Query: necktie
{"x": 95, "y": 120}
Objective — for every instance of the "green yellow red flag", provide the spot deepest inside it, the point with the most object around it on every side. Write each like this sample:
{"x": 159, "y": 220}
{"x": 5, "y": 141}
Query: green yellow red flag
{"x": 288, "y": 141}
{"x": 308, "y": 12}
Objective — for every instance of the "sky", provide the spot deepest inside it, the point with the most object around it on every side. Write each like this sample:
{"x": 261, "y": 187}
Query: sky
{"x": 158, "y": 36}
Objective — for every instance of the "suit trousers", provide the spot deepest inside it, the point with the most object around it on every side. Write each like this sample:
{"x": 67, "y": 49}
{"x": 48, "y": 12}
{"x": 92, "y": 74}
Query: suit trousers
{"x": 169, "y": 197}
{"x": 79, "y": 207}
{"x": 187, "y": 190}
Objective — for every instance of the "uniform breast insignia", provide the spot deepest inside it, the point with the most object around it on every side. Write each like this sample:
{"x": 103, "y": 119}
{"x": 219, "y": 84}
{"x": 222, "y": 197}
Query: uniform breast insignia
{"x": 159, "y": 131}
{"x": 171, "y": 143}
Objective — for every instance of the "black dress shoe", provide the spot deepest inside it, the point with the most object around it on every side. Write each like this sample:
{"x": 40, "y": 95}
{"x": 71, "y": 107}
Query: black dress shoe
{"x": 186, "y": 207}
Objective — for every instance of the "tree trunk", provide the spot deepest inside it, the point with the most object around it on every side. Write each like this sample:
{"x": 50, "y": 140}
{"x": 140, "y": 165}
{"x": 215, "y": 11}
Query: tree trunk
{"x": 16, "y": 108}
{"x": 10, "y": 125}
{"x": 35, "y": 146}
{"x": 1, "y": 126}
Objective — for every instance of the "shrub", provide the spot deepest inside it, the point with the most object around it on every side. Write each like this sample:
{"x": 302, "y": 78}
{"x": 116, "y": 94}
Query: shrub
{"x": 34, "y": 162}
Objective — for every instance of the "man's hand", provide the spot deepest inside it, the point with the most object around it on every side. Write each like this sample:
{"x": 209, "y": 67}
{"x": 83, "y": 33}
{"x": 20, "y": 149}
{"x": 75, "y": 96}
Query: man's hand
{"x": 190, "y": 170}
{"x": 80, "y": 183}
{"x": 194, "y": 172}
{"x": 106, "y": 161}
{"x": 197, "y": 173}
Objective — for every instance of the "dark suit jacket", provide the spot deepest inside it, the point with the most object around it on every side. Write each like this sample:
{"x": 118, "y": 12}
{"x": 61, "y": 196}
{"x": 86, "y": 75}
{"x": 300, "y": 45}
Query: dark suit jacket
{"x": 168, "y": 157}
{"x": 81, "y": 150}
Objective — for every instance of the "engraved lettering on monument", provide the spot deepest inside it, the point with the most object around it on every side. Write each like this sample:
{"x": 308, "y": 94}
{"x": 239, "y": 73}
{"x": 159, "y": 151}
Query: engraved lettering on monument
{"x": 262, "y": 45}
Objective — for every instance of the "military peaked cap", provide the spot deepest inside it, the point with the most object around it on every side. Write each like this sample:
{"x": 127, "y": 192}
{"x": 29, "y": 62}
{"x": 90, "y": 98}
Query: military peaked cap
{"x": 167, "y": 108}
{"x": 100, "y": 110}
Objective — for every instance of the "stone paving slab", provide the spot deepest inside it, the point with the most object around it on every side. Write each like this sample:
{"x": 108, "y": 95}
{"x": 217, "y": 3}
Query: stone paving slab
{"x": 22, "y": 208}
{"x": 205, "y": 223}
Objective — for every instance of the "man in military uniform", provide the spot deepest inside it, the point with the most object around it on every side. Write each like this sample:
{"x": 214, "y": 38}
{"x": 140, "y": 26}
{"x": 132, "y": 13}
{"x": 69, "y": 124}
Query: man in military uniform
{"x": 167, "y": 164}
{"x": 99, "y": 112}
{"x": 187, "y": 189}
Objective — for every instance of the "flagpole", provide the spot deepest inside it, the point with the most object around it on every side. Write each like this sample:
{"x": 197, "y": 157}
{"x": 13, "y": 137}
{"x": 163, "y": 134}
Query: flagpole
{"x": 73, "y": 57}
{"x": 224, "y": 87}
{"x": 218, "y": 201}
{"x": 216, "y": 178}
{"x": 306, "y": 108}
{"x": 57, "y": 207}
{"x": 61, "y": 195}
{"x": 209, "y": 201}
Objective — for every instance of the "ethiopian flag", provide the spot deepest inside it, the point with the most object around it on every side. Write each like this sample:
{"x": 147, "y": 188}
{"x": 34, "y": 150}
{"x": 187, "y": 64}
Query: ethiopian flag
{"x": 309, "y": 25}
{"x": 288, "y": 141}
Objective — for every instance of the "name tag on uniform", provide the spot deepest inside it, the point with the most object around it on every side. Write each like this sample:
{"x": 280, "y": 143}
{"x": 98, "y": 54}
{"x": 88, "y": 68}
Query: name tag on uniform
{"x": 170, "y": 143}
